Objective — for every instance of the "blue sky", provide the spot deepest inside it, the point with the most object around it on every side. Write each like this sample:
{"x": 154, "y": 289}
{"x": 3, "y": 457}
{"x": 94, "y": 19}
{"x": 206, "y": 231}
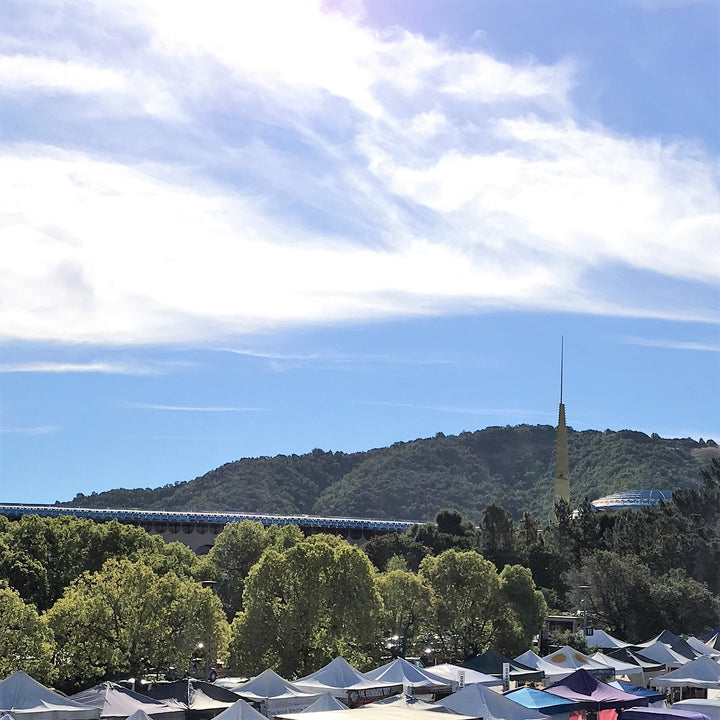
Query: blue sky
{"x": 240, "y": 229}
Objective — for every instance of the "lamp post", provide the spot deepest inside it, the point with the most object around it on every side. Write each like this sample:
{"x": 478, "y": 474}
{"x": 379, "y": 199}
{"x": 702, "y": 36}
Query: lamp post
{"x": 583, "y": 606}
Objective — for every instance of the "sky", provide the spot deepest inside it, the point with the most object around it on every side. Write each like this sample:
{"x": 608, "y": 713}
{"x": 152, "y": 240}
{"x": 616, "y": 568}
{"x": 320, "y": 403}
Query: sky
{"x": 234, "y": 229}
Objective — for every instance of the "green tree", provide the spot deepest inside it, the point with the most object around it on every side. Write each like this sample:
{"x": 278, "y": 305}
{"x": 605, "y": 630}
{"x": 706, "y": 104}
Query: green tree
{"x": 40, "y": 557}
{"x": 406, "y": 602}
{"x": 466, "y": 601}
{"x": 304, "y": 605}
{"x": 621, "y": 592}
{"x": 127, "y": 619}
{"x": 384, "y": 547}
{"x": 25, "y": 642}
{"x": 525, "y": 613}
{"x": 498, "y": 536}
{"x": 237, "y": 548}
{"x": 686, "y": 605}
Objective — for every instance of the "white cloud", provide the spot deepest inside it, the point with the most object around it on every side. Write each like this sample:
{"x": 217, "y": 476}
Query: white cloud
{"x": 463, "y": 410}
{"x": 31, "y": 431}
{"x": 692, "y": 346}
{"x": 189, "y": 408}
{"x": 109, "y": 368}
{"x": 339, "y": 358}
{"x": 309, "y": 169}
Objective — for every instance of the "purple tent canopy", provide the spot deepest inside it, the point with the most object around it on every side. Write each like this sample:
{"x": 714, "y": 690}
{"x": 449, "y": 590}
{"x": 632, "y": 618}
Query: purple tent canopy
{"x": 661, "y": 714}
{"x": 594, "y": 694}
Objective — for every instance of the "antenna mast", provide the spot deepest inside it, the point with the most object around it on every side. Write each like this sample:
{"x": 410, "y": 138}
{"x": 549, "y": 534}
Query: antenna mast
{"x": 562, "y": 361}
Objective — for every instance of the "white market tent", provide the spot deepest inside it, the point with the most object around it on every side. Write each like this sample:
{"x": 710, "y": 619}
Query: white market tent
{"x": 268, "y": 684}
{"x": 480, "y": 701}
{"x": 568, "y": 660}
{"x": 464, "y": 676}
{"x": 662, "y": 653}
{"x": 26, "y": 699}
{"x": 374, "y": 711}
{"x": 240, "y": 711}
{"x": 552, "y": 673}
{"x": 675, "y": 642}
{"x": 273, "y": 694}
{"x": 324, "y": 703}
{"x": 700, "y": 647}
{"x": 116, "y": 702}
{"x": 346, "y": 683}
{"x": 634, "y": 673}
{"x": 709, "y": 707}
{"x": 604, "y": 640}
{"x": 402, "y": 672}
{"x": 410, "y": 702}
{"x": 703, "y": 672}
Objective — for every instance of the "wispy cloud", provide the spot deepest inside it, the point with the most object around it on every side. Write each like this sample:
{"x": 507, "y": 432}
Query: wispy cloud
{"x": 673, "y": 344}
{"x": 111, "y": 368}
{"x": 251, "y": 185}
{"x": 190, "y": 408}
{"x": 37, "y": 430}
{"x": 462, "y": 410}
{"x": 340, "y": 358}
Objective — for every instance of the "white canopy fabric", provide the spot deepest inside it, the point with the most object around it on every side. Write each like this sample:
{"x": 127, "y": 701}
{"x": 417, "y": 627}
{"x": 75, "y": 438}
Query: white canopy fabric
{"x": 268, "y": 684}
{"x": 709, "y": 707}
{"x": 480, "y": 701}
{"x": 402, "y": 672}
{"x": 116, "y": 702}
{"x": 605, "y": 640}
{"x": 27, "y": 699}
{"x": 139, "y": 714}
{"x": 700, "y": 647}
{"x": 662, "y": 653}
{"x": 703, "y": 672}
{"x": 621, "y": 667}
{"x": 675, "y": 642}
{"x": 553, "y": 673}
{"x": 347, "y": 684}
{"x": 469, "y": 677}
{"x": 324, "y": 703}
{"x": 240, "y": 710}
{"x": 338, "y": 675}
{"x": 570, "y": 659}
{"x": 375, "y": 711}
{"x": 411, "y": 702}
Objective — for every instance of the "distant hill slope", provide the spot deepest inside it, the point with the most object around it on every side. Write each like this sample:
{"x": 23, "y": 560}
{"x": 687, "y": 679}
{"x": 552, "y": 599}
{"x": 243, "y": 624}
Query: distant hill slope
{"x": 510, "y": 466}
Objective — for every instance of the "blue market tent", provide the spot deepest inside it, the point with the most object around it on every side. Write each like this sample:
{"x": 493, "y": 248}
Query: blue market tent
{"x": 661, "y": 714}
{"x": 545, "y": 702}
{"x": 651, "y": 695}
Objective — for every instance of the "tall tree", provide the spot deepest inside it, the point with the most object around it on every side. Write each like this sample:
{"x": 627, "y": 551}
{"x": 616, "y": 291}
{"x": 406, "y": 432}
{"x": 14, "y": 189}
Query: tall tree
{"x": 304, "y": 605}
{"x": 406, "y": 602}
{"x": 525, "y": 611}
{"x": 237, "y": 548}
{"x": 466, "y": 601}
{"x": 25, "y": 642}
{"x": 126, "y": 619}
{"x": 498, "y": 536}
{"x": 621, "y": 592}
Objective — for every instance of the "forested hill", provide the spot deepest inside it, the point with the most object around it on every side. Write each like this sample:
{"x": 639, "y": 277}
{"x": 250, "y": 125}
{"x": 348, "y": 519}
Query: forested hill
{"x": 510, "y": 466}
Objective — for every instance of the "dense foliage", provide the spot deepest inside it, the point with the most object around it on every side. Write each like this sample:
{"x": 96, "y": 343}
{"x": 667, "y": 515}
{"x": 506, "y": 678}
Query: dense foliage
{"x": 510, "y": 466}
{"x": 96, "y": 601}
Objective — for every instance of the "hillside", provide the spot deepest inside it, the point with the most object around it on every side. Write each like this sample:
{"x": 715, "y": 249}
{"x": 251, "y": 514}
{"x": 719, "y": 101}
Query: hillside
{"x": 510, "y": 466}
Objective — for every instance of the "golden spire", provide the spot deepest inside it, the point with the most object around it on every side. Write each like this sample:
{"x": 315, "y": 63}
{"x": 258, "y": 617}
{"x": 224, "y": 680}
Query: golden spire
{"x": 562, "y": 468}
